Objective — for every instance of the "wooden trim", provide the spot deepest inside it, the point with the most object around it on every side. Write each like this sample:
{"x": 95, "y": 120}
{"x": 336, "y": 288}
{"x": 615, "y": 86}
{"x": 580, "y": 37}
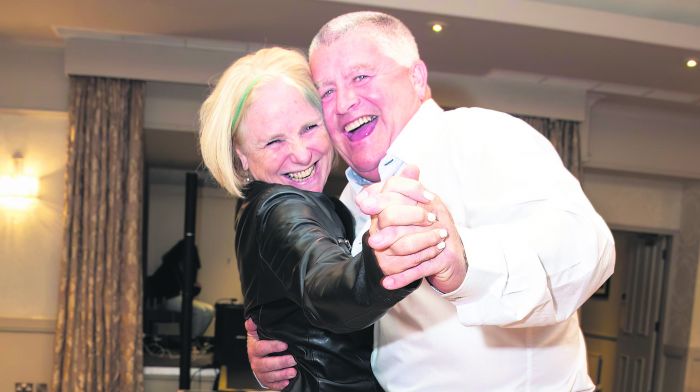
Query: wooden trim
{"x": 27, "y": 325}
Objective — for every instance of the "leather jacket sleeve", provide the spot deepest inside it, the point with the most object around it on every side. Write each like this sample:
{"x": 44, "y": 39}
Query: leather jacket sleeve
{"x": 304, "y": 243}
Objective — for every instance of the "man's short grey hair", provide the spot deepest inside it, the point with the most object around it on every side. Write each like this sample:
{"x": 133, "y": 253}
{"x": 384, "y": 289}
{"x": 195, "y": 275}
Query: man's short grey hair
{"x": 392, "y": 36}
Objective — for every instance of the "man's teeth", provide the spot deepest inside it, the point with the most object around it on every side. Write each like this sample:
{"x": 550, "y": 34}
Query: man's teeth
{"x": 302, "y": 175}
{"x": 358, "y": 123}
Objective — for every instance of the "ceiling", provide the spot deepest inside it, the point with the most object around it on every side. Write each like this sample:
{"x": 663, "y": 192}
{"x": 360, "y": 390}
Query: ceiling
{"x": 633, "y": 48}
{"x": 640, "y": 43}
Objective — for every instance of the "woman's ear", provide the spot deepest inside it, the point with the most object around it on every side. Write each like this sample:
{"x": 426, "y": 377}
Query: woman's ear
{"x": 243, "y": 158}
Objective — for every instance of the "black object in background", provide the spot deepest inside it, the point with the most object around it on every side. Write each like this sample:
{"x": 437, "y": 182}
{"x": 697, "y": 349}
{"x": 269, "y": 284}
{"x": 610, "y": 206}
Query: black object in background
{"x": 188, "y": 281}
{"x": 230, "y": 348}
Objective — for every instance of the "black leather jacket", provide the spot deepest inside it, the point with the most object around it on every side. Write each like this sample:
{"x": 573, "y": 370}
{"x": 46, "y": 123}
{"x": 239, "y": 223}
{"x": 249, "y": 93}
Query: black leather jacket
{"x": 302, "y": 286}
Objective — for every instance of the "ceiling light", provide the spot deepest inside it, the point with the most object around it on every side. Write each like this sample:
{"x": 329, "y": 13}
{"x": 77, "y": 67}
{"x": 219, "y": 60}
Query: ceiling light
{"x": 691, "y": 63}
{"x": 437, "y": 27}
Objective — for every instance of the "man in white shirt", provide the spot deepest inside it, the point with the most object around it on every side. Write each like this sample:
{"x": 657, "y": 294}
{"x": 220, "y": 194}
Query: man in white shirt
{"x": 497, "y": 308}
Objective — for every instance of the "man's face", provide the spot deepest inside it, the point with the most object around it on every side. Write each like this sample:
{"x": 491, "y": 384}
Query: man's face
{"x": 367, "y": 98}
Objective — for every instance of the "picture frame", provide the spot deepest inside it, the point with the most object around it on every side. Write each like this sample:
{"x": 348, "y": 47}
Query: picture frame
{"x": 604, "y": 291}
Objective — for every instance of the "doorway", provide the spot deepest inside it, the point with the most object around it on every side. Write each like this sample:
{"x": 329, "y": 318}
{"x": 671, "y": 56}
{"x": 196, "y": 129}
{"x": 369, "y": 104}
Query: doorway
{"x": 621, "y": 321}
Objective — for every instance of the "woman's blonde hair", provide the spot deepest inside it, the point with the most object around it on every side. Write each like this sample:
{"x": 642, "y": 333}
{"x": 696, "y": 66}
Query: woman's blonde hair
{"x": 222, "y": 113}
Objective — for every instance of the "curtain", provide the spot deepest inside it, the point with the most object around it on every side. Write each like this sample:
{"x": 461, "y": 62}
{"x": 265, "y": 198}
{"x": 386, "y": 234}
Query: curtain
{"x": 564, "y": 136}
{"x": 98, "y": 344}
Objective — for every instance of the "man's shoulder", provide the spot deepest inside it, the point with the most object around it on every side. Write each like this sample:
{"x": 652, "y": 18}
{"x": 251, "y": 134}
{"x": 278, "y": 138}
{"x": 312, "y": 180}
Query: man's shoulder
{"x": 484, "y": 123}
{"x": 476, "y": 113}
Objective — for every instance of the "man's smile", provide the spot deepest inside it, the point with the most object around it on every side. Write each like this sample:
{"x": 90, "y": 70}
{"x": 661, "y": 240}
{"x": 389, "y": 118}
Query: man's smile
{"x": 361, "y": 127}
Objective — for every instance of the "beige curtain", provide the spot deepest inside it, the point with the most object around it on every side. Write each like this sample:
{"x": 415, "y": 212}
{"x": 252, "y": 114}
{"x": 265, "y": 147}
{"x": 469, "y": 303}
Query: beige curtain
{"x": 564, "y": 135}
{"x": 98, "y": 343}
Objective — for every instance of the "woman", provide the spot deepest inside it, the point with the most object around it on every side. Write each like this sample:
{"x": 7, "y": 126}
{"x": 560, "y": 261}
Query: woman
{"x": 263, "y": 139}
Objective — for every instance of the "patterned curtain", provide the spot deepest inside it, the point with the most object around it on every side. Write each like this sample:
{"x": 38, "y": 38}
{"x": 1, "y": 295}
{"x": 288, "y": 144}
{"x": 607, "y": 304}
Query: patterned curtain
{"x": 98, "y": 343}
{"x": 564, "y": 135}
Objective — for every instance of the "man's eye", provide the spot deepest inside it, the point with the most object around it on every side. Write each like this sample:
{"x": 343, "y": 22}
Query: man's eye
{"x": 310, "y": 127}
{"x": 327, "y": 93}
{"x": 360, "y": 78}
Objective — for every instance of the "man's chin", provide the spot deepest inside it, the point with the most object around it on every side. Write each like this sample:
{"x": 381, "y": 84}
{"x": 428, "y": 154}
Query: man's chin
{"x": 367, "y": 173}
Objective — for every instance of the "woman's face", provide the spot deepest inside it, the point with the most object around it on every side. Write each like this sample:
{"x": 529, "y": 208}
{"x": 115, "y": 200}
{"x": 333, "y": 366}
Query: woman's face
{"x": 283, "y": 139}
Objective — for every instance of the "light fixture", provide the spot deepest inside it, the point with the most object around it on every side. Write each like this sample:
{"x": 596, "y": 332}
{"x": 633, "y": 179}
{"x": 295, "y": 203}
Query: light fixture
{"x": 691, "y": 63}
{"x": 19, "y": 189}
{"x": 437, "y": 27}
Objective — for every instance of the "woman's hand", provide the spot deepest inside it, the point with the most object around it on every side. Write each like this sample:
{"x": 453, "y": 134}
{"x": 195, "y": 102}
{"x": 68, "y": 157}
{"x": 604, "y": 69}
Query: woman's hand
{"x": 412, "y": 233}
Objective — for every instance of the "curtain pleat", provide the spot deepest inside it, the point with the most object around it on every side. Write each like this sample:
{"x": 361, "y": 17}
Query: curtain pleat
{"x": 564, "y": 136}
{"x": 98, "y": 343}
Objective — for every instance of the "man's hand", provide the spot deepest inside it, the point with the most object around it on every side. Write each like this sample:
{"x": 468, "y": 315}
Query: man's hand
{"x": 413, "y": 233}
{"x": 273, "y": 372}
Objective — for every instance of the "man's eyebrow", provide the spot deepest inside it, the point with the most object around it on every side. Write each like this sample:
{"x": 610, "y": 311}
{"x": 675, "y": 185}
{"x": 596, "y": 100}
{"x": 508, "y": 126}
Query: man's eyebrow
{"x": 359, "y": 67}
{"x": 350, "y": 72}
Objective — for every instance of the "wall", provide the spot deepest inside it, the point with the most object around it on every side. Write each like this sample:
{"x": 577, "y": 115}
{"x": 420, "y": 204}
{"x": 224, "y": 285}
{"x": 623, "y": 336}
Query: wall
{"x": 30, "y": 246}
{"x": 32, "y": 78}
{"x": 644, "y": 138}
{"x": 634, "y": 201}
{"x": 214, "y": 236}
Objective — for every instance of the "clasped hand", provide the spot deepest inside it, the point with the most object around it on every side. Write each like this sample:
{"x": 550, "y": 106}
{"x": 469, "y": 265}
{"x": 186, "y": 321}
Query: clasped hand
{"x": 412, "y": 233}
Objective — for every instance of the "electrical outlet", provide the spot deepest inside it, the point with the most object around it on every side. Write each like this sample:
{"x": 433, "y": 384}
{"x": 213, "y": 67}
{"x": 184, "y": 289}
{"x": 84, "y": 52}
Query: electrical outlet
{"x": 24, "y": 387}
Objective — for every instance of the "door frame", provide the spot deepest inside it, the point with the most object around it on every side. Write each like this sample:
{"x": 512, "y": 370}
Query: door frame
{"x": 662, "y": 351}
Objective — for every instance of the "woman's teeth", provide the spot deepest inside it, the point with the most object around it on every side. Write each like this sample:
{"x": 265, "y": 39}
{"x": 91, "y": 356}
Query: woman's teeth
{"x": 302, "y": 175}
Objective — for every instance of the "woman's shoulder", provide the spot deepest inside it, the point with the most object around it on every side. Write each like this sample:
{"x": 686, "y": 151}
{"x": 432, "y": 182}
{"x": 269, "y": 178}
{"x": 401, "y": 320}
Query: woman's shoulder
{"x": 265, "y": 196}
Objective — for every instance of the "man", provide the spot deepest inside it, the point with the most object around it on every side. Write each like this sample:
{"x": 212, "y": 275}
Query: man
{"x": 497, "y": 310}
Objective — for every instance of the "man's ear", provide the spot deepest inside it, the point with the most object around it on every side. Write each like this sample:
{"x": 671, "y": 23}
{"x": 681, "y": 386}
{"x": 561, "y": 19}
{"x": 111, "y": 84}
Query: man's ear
{"x": 419, "y": 78}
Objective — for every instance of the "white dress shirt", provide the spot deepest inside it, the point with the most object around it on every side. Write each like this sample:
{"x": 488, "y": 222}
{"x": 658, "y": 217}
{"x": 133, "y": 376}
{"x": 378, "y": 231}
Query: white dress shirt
{"x": 536, "y": 250}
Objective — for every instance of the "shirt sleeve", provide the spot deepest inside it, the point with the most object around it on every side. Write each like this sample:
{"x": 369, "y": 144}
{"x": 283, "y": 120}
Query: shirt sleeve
{"x": 536, "y": 249}
{"x": 337, "y": 291}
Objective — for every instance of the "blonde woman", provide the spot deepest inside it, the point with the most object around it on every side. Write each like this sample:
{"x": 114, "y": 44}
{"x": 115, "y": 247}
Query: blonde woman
{"x": 263, "y": 139}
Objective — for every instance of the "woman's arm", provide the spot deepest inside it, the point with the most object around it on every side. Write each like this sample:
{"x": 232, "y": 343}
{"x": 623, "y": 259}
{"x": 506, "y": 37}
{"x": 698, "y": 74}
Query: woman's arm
{"x": 303, "y": 244}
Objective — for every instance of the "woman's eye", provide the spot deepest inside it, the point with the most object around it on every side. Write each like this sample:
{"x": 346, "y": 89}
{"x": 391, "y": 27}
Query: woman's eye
{"x": 271, "y": 142}
{"x": 360, "y": 77}
{"x": 310, "y": 127}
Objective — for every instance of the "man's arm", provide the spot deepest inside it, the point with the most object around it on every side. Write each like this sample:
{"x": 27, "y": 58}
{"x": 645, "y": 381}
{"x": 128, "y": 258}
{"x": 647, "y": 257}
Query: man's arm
{"x": 535, "y": 247}
{"x": 272, "y": 371}
{"x": 526, "y": 272}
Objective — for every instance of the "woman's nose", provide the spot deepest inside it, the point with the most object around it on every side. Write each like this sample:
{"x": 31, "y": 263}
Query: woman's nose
{"x": 300, "y": 152}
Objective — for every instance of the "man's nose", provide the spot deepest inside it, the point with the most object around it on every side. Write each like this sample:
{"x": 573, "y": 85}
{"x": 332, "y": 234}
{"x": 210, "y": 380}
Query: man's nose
{"x": 346, "y": 99}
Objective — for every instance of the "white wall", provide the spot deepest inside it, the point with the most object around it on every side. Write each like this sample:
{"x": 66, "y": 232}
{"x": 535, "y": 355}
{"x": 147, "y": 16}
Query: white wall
{"x": 517, "y": 97}
{"x": 30, "y": 247}
{"x": 31, "y": 77}
{"x": 214, "y": 237}
{"x": 627, "y": 201}
{"x": 30, "y": 239}
{"x": 645, "y": 138}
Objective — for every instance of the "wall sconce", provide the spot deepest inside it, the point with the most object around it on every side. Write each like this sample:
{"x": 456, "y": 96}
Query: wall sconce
{"x": 19, "y": 189}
